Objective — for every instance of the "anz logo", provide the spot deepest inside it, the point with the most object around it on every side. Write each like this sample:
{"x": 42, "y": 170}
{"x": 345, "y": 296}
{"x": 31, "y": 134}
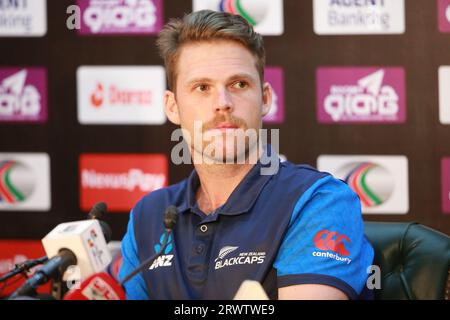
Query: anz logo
{"x": 166, "y": 259}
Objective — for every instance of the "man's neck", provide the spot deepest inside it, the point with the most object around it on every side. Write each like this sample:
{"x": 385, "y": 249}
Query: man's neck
{"x": 217, "y": 182}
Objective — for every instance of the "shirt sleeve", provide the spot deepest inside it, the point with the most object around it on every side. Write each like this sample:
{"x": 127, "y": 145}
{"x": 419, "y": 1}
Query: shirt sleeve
{"x": 135, "y": 288}
{"x": 325, "y": 241}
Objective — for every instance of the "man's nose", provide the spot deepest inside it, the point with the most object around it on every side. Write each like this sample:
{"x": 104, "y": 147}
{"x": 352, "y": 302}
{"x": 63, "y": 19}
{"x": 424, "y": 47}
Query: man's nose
{"x": 224, "y": 101}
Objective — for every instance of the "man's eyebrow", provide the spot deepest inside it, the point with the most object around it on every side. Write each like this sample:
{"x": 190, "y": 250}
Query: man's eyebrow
{"x": 197, "y": 80}
{"x": 239, "y": 76}
{"x": 234, "y": 77}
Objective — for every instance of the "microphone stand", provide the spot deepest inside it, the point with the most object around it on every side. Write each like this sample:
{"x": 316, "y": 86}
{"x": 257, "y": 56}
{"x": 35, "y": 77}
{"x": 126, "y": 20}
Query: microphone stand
{"x": 23, "y": 267}
{"x": 170, "y": 219}
{"x": 149, "y": 261}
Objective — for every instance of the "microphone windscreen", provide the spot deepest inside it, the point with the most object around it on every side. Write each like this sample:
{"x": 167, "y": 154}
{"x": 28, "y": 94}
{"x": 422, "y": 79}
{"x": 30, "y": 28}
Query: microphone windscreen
{"x": 170, "y": 217}
{"x": 98, "y": 211}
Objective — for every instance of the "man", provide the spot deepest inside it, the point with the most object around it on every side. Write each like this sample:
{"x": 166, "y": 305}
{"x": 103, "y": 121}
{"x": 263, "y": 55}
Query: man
{"x": 297, "y": 231}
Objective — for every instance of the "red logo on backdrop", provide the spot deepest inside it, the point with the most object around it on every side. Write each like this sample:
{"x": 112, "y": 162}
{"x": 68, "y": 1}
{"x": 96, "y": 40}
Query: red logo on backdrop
{"x": 14, "y": 252}
{"x": 97, "y": 96}
{"x": 113, "y": 96}
{"x": 331, "y": 240}
{"x": 120, "y": 180}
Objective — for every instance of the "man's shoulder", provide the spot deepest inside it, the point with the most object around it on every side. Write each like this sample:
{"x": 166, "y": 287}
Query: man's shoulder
{"x": 300, "y": 173}
{"x": 305, "y": 178}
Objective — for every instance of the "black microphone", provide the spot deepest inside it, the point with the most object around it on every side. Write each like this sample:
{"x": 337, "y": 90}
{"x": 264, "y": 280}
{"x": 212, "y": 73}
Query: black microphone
{"x": 98, "y": 212}
{"x": 53, "y": 269}
{"x": 170, "y": 219}
{"x": 23, "y": 267}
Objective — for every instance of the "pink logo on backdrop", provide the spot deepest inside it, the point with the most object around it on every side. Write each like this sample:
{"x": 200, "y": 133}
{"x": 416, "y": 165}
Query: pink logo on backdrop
{"x": 120, "y": 16}
{"x": 361, "y": 95}
{"x": 444, "y": 15}
{"x": 23, "y": 94}
{"x": 275, "y": 76}
{"x": 445, "y": 180}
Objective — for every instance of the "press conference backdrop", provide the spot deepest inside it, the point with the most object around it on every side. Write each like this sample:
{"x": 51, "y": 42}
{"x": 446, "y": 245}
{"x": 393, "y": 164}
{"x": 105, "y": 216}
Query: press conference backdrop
{"x": 362, "y": 90}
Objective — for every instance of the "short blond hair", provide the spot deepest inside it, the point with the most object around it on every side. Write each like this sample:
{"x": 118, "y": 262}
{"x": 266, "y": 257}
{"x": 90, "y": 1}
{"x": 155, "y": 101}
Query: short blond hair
{"x": 207, "y": 25}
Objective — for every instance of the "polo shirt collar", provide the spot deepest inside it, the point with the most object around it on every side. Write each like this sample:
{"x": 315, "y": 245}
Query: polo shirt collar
{"x": 243, "y": 196}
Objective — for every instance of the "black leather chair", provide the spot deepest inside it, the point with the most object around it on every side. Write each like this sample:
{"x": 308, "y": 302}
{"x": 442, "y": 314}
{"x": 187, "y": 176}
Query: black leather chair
{"x": 414, "y": 260}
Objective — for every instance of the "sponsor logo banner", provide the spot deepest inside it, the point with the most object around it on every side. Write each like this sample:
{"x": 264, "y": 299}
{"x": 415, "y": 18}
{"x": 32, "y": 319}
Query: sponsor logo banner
{"x": 120, "y": 180}
{"x": 108, "y": 17}
{"x": 341, "y": 17}
{"x": 265, "y": 15}
{"x": 381, "y": 182}
{"x": 444, "y": 15}
{"x": 444, "y": 94}
{"x": 23, "y": 95}
{"x": 326, "y": 240}
{"x": 275, "y": 76}
{"x": 24, "y": 182}
{"x": 445, "y": 183}
{"x": 14, "y": 252}
{"x": 23, "y": 18}
{"x": 121, "y": 95}
{"x": 361, "y": 95}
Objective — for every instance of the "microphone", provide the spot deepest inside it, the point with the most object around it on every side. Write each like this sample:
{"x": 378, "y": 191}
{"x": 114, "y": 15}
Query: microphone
{"x": 24, "y": 266}
{"x": 98, "y": 212}
{"x": 54, "y": 268}
{"x": 80, "y": 243}
{"x": 105, "y": 285}
{"x": 86, "y": 239}
{"x": 99, "y": 286}
{"x": 170, "y": 219}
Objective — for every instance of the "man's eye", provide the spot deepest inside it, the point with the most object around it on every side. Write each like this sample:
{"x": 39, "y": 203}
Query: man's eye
{"x": 202, "y": 87}
{"x": 241, "y": 85}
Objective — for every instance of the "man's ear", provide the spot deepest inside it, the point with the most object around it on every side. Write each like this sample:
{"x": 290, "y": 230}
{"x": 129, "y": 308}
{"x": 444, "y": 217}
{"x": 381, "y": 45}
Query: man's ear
{"x": 171, "y": 108}
{"x": 267, "y": 98}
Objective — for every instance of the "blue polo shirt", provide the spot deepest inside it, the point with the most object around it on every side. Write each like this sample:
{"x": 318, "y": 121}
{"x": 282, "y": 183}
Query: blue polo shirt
{"x": 298, "y": 226}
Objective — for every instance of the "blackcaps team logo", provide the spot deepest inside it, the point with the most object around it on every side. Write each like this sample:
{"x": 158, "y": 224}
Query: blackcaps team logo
{"x": 164, "y": 260}
{"x": 16, "y": 182}
{"x": 243, "y": 258}
{"x": 373, "y": 183}
{"x": 254, "y": 11}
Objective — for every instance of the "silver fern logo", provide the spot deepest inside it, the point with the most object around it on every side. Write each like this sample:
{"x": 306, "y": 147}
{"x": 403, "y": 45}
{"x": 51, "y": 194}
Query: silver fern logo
{"x": 225, "y": 251}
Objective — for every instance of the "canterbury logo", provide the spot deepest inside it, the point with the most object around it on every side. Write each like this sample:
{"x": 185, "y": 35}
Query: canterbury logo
{"x": 331, "y": 240}
{"x": 225, "y": 251}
